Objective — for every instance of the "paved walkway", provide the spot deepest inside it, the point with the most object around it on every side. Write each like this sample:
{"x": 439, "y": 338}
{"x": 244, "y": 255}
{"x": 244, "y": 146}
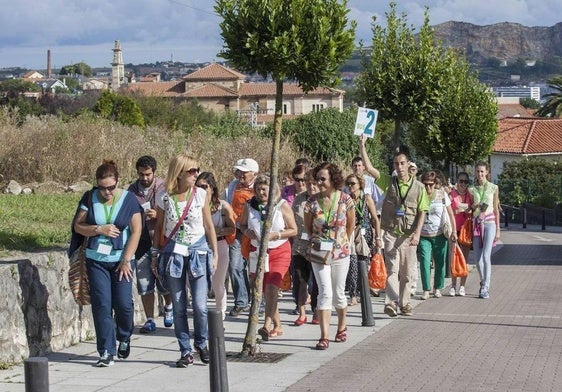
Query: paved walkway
{"x": 511, "y": 342}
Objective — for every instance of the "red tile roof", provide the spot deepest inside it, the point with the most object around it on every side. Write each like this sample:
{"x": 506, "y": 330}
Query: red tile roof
{"x": 157, "y": 89}
{"x": 513, "y": 110}
{"x": 213, "y": 72}
{"x": 529, "y": 136}
{"x": 261, "y": 89}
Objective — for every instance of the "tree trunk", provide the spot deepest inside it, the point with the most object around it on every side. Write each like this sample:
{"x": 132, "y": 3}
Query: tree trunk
{"x": 249, "y": 347}
{"x": 397, "y": 134}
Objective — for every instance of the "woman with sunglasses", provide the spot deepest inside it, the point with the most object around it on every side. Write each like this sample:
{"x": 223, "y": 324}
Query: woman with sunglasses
{"x": 366, "y": 220}
{"x": 283, "y": 227}
{"x": 461, "y": 203}
{"x": 225, "y": 229}
{"x": 486, "y": 213}
{"x": 111, "y": 218}
{"x": 188, "y": 252}
{"x": 433, "y": 243}
{"x": 329, "y": 216}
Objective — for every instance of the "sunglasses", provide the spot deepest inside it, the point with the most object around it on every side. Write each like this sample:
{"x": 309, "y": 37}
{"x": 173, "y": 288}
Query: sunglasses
{"x": 193, "y": 171}
{"x": 351, "y": 183}
{"x": 463, "y": 181}
{"x": 321, "y": 179}
{"x": 299, "y": 179}
{"x": 429, "y": 183}
{"x": 203, "y": 186}
{"x": 110, "y": 188}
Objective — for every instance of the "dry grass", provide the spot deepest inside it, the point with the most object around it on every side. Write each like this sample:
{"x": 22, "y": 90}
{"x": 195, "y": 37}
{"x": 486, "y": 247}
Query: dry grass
{"x": 50, "y": 149}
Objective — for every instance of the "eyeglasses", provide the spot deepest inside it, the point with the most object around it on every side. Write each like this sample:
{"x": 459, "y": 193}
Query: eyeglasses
{"x": 429, "y": 183}
{"x": 110, "y": 188}
{"x": 463, "y": 181}
{"x": 203, "y": 186}
{"x": 321, "y": 179}
{"x": 351, "y": 183}
{"x": 299, "y": 179}
{"x": 192, "y": 171}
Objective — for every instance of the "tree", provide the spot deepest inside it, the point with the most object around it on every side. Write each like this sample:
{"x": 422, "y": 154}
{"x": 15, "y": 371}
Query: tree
{"x": 80, "y": 68}
{"x": 553, "y": 106}
{"x": 119, "y": 108}
{"x": 301, "y": 40}
{"x": 529, "y": 103}
{"x": 465, "y": 125}
{"x": 403, "y": 73}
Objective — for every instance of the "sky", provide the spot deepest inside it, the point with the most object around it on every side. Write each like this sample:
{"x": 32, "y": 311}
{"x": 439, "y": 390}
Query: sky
{"x": 188, "y": 31}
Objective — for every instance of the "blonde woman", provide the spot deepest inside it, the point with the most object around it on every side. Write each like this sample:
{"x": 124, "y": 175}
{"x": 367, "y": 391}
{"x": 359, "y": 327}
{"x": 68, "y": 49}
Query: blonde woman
{"x": 189, "y": 252}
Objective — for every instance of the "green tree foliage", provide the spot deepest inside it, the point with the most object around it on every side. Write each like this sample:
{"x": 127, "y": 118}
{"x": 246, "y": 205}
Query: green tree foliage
{"x": 80, "y": 68}
{"x": 403, "y": 74}
{"x": 11, "y": 96}
{"x": 534, "y": 180}
{"x": 119, "y": 108}
{"x": 553, "y": 105}
{"x": 301, "y": 40}
{"x": 16, "y": 87}
{"x": 464, "y": 126}
{"x": 327, "y": 135}
{"x": 529, "y": 103}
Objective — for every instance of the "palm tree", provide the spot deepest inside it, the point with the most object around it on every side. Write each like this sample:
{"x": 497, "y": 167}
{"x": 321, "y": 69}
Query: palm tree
{"x": 553, "y": 106}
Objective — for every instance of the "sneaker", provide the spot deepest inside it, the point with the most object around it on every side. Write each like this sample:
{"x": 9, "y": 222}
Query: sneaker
{"x": 437, "y": 294}
{"x": 203, "y": 354}
{"x": 168, "y": 317}
{"x": 105, "y": 360}
{"x": 425, "y": 295}
{"x": 406, "y": 310}
{"x": 236, "y": 310}
{"x": 485, "y": 294}
{"x": 452, "y": 291}
{"x": 148, "y": 327}
{"x": 184, "y": 361}
{"x": 462, "y": 291}
{"x": 124, "y": 349}
{"x": 390, "y": 310}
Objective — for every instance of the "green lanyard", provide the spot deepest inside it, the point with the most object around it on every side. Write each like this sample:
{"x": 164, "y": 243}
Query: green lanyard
{"x": 109, "y": 214}
{"x": 328, "y": 216}
{"x": 483, "y": 193}
{"x": 359, "y": 207}
{"x": 177, "y": 207}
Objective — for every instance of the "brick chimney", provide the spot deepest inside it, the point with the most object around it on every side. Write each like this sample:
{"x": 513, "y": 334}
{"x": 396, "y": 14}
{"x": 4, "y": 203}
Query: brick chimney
{"x": 48, "y": 64}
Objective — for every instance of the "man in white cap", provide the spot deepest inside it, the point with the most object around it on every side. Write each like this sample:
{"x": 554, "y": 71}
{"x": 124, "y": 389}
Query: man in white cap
{"x": 239, "y": 191}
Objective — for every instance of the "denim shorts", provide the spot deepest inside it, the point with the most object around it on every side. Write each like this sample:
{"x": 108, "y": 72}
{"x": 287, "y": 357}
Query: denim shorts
{"x": 146, "y": 281}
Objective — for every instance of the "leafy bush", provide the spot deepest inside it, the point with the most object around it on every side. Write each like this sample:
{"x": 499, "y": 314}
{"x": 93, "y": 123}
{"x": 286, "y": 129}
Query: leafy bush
{"x": 120, "y": 108}
{"x": 534, "y": 180}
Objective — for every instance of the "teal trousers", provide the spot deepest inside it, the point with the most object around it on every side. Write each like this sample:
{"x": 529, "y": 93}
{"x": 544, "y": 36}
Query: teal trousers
{"x": 436, "y": 248}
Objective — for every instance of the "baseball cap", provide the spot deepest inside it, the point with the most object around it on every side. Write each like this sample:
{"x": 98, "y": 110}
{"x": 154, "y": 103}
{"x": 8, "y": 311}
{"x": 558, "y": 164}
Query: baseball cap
{"x": 246, "y": 165}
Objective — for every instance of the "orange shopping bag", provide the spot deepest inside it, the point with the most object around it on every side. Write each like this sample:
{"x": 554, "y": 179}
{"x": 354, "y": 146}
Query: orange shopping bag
{"x": 377, "y": 272}
{"x": 465, "y": 234}
{"x": 459, "y": 269}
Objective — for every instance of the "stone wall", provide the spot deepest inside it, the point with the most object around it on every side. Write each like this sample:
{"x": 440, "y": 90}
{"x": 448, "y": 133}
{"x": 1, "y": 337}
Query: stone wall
{"x": 38, "y": 312}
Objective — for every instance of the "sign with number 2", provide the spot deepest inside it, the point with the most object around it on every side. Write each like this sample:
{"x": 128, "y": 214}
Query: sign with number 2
{"x": 366, "y": 122}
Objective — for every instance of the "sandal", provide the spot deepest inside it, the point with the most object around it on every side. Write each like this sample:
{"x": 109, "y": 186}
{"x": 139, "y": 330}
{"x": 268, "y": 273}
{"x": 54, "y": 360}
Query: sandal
{"x": 323, "y": 344}
{"x": 264, "y": 333}
{"x": 275, "y": 332}
{"x": 341, "y": 336}
{"x": 300, "y": 321}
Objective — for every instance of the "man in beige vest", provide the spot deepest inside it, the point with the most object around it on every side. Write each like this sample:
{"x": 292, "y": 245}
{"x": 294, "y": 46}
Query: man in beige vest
{"x": 402, "y": 216}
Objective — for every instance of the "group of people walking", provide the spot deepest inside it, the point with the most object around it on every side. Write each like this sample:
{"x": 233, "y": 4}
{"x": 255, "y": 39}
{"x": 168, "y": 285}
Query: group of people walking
{"x": 183, "y": 237}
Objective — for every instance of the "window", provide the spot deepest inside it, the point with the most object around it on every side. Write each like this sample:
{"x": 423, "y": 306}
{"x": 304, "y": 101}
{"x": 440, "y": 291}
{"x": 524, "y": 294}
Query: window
{"x": 316, "y": 107}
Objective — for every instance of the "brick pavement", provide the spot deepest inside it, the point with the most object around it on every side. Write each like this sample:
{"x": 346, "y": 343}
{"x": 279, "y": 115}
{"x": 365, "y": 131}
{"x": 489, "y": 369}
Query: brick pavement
{"x": 511, "y": 342}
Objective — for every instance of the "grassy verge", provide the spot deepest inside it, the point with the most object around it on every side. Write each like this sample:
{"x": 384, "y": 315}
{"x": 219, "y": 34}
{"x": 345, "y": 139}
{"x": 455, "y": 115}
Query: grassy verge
{"x": 35, "y": 222}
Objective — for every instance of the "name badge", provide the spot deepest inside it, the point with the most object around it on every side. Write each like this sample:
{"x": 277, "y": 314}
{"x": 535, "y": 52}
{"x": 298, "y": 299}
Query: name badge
{"x": 146, "y": 206}
{"x": 104, "y": 248}
{"x": 363, "y": 231}
{"x": 181, "y": 248}
{"x": 326, "y": 245}
{"x": 399, "y": 212}
{"x": 304, "y": 236}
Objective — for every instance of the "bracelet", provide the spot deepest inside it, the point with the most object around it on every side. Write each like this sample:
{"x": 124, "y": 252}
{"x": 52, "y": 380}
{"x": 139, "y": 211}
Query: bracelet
{"x": 96, "y": 230}
{"x": 278, "y": 235}
{"x": 154, "y": 251}
{"x": 378, "y": 238}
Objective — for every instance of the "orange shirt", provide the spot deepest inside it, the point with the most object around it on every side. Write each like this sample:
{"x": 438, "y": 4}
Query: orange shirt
{"x": 241, "y": 195}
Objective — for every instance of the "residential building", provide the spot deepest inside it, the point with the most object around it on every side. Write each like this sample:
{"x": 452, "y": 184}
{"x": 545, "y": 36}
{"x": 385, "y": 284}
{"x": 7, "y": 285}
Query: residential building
{"x": 220, "y": 88}
{"x": 520, "y": 137}
{"x": 533, "y": 92}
